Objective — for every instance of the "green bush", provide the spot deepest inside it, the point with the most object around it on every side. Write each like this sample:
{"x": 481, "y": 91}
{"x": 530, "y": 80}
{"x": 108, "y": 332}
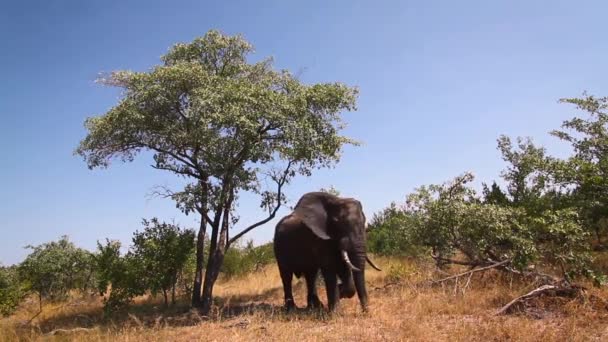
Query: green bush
{"x": 450, "y": 219}
{"x": 122, "y": 276}
{"x": 163, "y": 250}
{"x": 239, "y": 261}
{"x": 390, "y": 233}
{"x": 11, "y": 290}
{"x": 55, "y": 268}
{"x": 156, "y": 260}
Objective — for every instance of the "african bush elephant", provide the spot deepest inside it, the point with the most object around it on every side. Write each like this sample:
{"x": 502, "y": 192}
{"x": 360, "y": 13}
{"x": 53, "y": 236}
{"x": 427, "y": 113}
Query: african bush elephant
{"x": 323, "y": 232}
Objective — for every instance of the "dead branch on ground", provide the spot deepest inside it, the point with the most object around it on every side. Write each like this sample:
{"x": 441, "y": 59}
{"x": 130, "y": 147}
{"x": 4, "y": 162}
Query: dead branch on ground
{"x": 456, "y": 276}
{"x": 549, "y": 290}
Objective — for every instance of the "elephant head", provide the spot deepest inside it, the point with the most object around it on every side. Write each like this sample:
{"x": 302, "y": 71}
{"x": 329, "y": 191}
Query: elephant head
{"x": 341, "y": 221}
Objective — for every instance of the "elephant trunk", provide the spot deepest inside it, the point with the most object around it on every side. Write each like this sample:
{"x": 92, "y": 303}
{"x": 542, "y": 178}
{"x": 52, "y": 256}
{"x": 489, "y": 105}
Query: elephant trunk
{"x": 359, "y": 279}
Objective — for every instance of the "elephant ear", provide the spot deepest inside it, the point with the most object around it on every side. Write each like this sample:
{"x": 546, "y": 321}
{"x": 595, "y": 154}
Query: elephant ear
{"x": 314, "y": 215}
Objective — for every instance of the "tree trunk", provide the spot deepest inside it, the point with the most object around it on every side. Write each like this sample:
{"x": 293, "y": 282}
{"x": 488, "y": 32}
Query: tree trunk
{"x": 200, "y": 264}
{"x": 213, "y": 270}
{"x": 200, "y": 246}
{"x": 166, "y": 298}
{"x": 217, "y": 249}
{"x": 173, "y": 289}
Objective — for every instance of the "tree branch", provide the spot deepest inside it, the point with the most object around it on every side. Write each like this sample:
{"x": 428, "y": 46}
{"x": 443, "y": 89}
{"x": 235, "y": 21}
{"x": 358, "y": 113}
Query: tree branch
{"x": 498, "y": 264}
{"x": 181, "y": 158}
{"x": 280, "y": 182}
{"x": 181, "y": 172}
{"x": 456, "y": 262}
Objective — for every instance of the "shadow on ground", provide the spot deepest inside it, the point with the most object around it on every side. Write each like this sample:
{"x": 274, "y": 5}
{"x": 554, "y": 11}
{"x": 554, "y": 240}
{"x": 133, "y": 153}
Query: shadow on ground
{"x": 151, "y": 314}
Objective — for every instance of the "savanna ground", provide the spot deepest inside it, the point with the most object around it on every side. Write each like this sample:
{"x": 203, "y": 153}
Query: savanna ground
{"x": 403, "y": 307}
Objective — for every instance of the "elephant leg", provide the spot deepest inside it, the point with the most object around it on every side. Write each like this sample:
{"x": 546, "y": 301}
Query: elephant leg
{"x": 286, "y": 277}
{"x": 311, "y": 286}
{"x": 331, "y": 285}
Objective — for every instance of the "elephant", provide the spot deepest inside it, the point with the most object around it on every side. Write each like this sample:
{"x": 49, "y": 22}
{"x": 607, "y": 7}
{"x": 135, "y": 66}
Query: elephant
{"x": 328, "y": 233}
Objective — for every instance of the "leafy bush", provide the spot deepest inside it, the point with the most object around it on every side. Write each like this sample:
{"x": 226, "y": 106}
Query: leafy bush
{"x": 390, "y": 233}
{"x": 585, "y": 172}
{"x": 239, "y": 261}
{"x": 122, "y": 276}
{"x": 154, "y": 263}
{"x": 546, "y": 217}
{"x": 163, "y": 250}
{"x": 450, "y": 219}
{"x": 11, "y": 290}
{"x": 55, "y": 268}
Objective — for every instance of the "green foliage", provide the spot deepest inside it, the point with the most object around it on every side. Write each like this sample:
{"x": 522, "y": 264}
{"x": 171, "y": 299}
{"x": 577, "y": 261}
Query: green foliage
{"x": 122, "y": 276}
{"x": 209, "y": 115}
{"x": 163, "y": 250}
{"x": 524, "y": 175}
{"x": 240, "y": 261}
{"x": 585, "y": 173}
{"x": 390, "y": 233}
{"x": 544, "y": 218}
{"x": 495, "y": 195}
{"x": 11, "y": 290}
{"x": 156, "y": 260}
{"x": 55, "y": 268}
{"x": 458, "y": 226}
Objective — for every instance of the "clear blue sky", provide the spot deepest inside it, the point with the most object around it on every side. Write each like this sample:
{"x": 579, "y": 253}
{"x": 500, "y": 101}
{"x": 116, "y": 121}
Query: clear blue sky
{"x": 439, "y": 81}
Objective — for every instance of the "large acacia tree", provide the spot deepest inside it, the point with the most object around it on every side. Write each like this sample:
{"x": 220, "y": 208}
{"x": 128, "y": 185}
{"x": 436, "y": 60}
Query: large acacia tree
{"x": 225, "y": 124}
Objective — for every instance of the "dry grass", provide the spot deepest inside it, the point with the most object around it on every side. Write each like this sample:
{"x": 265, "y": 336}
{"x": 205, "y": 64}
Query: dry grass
{"x": 399, "y": 312}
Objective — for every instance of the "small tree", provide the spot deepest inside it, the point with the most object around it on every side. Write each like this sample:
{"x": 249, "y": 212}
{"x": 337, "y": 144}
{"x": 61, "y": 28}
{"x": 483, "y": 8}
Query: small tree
{"x": 585, "y": 173}
{"x": 11, "y": 290}
{"x": 55, "y": 268}
{"x": 125, "y": 274}
{"x": 390, "y": 232}
{"x": 208, "y": 115}
{"x": 163, "y": 250}
{"x": 526, "y": 174}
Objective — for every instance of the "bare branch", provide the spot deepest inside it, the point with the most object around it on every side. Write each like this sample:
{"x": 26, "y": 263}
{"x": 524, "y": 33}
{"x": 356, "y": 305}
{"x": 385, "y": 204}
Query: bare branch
{"x": 440, "y": 259}
{"x": 161, "y": 191}
{"x": 553, "y": 290}
{"x": 498, "y": 264}
{"x": 69, "y": 331}
{"x": 280, "y": 182}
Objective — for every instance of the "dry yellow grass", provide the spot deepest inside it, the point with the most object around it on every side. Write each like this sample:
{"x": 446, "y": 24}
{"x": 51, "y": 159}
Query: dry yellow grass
{"x": 401, "y": 312}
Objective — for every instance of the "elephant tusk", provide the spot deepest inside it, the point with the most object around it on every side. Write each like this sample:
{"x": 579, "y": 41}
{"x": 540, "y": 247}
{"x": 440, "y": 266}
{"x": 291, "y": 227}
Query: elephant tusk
{"x": 372, "y": 264}
{"x": 348, "y": 263}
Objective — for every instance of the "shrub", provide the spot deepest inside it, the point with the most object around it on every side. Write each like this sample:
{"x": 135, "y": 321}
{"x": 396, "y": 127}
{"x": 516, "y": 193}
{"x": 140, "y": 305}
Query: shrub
{"x": 55, "y": 268}
{"x": 390, "y": 233}
{"x": 154, "y": 263}
{"x": 11, "y": 290}
{"x": 451, "y": 218}
{"x": 239, "y": 261}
